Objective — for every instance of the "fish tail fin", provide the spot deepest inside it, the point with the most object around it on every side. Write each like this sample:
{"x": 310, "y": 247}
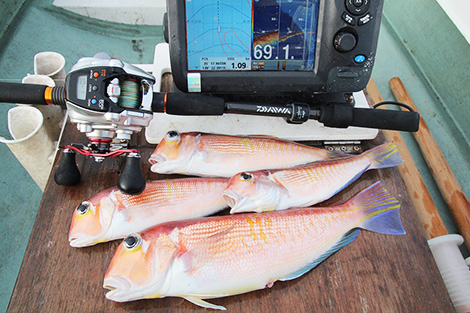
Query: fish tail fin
{"x": 383, "y": 156}
{"x": 380, "y": 210}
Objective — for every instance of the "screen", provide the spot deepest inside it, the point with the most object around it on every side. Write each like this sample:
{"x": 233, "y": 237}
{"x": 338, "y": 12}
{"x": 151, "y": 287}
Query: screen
{"x": 81, "y": 87}
{"x": 244, "y": 35}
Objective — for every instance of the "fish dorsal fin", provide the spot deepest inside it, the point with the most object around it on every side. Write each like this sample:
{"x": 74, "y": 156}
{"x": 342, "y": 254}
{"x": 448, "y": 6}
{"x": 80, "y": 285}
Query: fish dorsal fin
{"x": 204, "y": 304}
{"x": 196, "y": 256}
{"x": 347, "y": 238}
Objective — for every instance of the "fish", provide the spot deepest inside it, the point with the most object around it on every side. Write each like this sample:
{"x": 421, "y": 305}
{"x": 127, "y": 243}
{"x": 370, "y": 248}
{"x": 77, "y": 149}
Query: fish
{"x": 213, "y": 155}
{"x": 111, "y": 214}
{"x": 306, "y": 185}
{"x": 227, "y": 255}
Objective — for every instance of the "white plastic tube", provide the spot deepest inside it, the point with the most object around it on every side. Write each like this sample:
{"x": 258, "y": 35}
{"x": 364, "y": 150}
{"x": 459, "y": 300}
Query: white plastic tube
{"x": 53, "y": 114}
{"x": 453, "y": 268}
{"x": 31, "y": 144}
{"x": 50, "y": 64}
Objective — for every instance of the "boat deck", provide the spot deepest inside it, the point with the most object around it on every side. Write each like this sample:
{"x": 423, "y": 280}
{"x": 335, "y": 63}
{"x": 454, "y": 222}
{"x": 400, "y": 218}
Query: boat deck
{"x": 36, "y": 26}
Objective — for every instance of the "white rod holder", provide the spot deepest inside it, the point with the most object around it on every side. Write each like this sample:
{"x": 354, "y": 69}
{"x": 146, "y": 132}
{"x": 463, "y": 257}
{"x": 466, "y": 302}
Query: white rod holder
{"x": 454, "y": 270}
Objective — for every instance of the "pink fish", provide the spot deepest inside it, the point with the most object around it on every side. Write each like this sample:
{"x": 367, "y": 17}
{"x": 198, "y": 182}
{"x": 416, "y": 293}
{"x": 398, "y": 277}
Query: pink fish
{"x": 227, "y": 255}
{"x": 223, "y": 156}
{"x": 112, "y": 214}
{"x": 306, "y": 185}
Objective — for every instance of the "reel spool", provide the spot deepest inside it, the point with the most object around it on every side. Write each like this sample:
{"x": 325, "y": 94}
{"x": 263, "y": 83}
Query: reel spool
{"x": 130, "y": 97}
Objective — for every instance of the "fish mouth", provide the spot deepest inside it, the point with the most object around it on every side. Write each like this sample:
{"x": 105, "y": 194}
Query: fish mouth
{"x": 157, "y": 158}
{"x": 78, "y": 241}
{"x": 118, "y": 288}
{"x": 240, "y": 203}
{"x": 233, "y": 200}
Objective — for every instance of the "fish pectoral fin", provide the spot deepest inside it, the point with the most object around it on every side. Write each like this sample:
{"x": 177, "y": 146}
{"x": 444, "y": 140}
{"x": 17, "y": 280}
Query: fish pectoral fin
{"x": 197, "y": 256}
{"x": 346, "y": 239}
{"x": 202, "y": 153}
{"x": 204, "y": 304}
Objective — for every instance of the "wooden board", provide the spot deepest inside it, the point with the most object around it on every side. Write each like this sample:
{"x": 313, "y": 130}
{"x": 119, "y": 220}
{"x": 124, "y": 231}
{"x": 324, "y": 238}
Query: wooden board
{"x": 375, "y": 273}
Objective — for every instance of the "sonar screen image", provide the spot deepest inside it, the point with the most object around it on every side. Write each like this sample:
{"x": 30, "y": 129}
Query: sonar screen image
{"x": 239, "y": 35}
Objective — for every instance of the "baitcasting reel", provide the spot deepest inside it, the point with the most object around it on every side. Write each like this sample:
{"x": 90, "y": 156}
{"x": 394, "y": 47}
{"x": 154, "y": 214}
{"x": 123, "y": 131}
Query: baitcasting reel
{"x": 109, "y": 100}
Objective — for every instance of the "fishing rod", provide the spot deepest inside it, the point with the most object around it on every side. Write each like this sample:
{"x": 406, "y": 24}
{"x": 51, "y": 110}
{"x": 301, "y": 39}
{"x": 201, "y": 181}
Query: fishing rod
{"x": 109, "y": 100}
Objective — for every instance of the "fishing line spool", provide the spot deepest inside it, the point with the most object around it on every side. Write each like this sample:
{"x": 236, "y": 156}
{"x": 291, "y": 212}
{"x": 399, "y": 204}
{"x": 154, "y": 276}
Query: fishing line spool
{"x": 130, "y": 94}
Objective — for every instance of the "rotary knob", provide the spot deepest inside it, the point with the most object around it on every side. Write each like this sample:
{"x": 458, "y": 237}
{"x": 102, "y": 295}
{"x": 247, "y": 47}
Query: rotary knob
{"x": 344, "y": 41}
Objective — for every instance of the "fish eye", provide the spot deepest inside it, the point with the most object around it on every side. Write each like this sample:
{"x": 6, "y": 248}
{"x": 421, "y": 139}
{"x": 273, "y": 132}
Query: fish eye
{"x": 83, "y": 208}
{"x": 172, "y": 135}
{"x": 246, "y": 176}
{"x": 132, "y": 241}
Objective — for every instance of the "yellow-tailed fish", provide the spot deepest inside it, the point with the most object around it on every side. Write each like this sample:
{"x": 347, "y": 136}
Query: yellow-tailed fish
{"x": 227, "y": 255}
{"x": 270, "y": 190}
{"x": 223, "y": 155}
{"x": 111, "y": 214}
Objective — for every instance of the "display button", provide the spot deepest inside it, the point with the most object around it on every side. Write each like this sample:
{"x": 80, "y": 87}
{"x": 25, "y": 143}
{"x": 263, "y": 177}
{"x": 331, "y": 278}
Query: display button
{"x": 357, "y": 7}
{"x": 94, "y": 88}
{"x": 94, "y": 101}
{"x": 365, "y": 19}
{"x": 360, "y": 58}
{"x": 348, "y": 19}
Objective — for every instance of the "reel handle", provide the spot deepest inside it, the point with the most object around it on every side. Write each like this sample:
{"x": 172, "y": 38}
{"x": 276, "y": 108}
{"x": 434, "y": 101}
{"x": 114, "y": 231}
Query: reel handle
{"x": 67, "y": 174}
{"x": 132, "y": 181}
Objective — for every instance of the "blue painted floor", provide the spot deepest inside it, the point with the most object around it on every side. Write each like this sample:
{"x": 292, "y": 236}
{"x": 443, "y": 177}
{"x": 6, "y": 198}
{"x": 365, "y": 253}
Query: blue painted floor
{"x": 44, "y": 28}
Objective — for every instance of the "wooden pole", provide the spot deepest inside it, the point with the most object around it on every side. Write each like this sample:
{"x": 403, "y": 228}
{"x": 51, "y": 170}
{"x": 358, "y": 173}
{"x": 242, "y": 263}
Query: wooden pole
{"x": 451, "y": 191}
{"x": 426, "y": 209}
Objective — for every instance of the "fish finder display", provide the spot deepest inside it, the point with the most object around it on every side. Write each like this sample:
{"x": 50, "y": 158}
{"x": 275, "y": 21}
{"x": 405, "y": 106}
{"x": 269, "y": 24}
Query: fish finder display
{"x": 250, "y": 35}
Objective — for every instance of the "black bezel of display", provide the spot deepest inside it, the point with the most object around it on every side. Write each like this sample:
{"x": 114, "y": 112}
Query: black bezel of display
{"x": 335, "y": 70}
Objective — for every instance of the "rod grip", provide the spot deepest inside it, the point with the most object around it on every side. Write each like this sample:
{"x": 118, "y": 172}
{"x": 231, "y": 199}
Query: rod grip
{"x": 343, "y": 115}
{"x": 22, "y": 93}
{"x": 187, "y": 104}
{"x": 386, "y": 119}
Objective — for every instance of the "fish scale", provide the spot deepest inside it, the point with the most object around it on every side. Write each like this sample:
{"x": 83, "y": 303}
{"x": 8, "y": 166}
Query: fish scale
{"x": 249, "y": 146}
{"x": 321, "y": 173}
{"x": 156, "y": 192}
{"x": 298, "y": 231}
